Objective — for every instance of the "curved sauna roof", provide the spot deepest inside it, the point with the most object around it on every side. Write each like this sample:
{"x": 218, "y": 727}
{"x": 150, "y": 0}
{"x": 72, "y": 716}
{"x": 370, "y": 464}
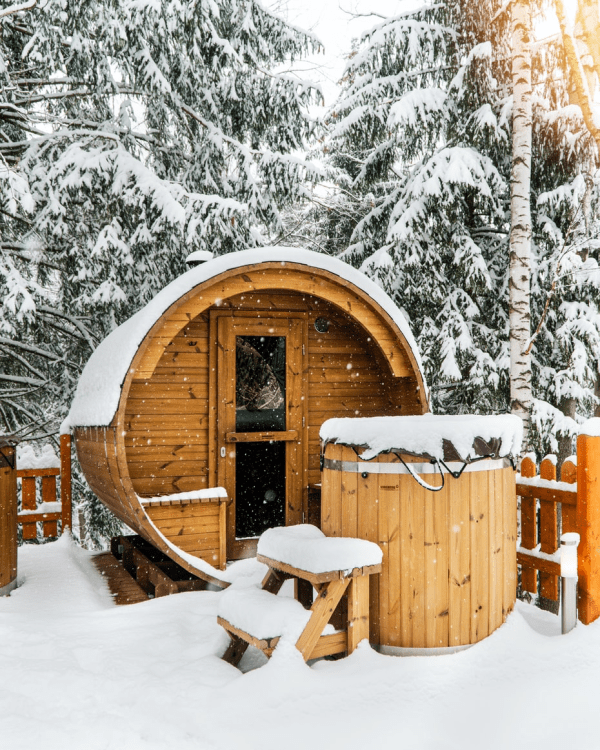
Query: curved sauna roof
{"x": 99, "y": 389}
{"x": 146, "y": 436}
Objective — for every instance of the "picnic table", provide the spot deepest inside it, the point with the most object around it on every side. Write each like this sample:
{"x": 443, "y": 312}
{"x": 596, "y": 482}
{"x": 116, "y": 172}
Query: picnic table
{"x": 332, "y": 567}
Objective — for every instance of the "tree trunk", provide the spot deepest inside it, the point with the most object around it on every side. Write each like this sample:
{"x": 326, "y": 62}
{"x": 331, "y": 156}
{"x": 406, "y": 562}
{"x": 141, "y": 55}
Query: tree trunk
{"x": 583, "y": 57}
{"x": 520, "y": 234}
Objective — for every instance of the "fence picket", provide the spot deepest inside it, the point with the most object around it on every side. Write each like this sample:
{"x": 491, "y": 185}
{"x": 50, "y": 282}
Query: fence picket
{"x": 548, "y": 530}
{"x": 568, "y": 474}
{"x": 528, "y": 528}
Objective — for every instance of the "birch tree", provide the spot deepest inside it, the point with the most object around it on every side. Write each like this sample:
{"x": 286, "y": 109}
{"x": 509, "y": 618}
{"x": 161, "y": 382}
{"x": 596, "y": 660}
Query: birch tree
{"x": 421, "y": 150}
{"x": 520, "y": 233}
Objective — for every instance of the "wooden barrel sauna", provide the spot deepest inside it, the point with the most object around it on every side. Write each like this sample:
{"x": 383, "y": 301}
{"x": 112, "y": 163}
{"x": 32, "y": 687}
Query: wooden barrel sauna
{"x": 8, "y": 516}
{"x": 449, "y": 557}
{"x": 224, "y": 380}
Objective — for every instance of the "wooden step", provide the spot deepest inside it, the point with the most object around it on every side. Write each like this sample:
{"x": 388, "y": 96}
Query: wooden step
{"x": 122, "y": 586}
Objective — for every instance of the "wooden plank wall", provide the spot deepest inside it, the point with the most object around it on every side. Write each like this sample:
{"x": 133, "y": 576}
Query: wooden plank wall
{"x": 449, "y": 557}
{"x": 193, "y": 527}
{"x": 167, "y": 437}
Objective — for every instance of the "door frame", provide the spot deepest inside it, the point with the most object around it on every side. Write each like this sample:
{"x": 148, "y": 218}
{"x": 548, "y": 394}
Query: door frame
{"x": 225, "y": 325}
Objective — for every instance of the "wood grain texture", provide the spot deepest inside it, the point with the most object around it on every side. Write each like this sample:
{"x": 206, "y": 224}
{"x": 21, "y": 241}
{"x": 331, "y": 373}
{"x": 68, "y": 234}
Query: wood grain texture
{"x": 548, "y": 532}
{"x": 165, "y": 436}
{"x": 528, "y": 527}
{"x": 449, "y": 560}
{"x": 8, "y": 520}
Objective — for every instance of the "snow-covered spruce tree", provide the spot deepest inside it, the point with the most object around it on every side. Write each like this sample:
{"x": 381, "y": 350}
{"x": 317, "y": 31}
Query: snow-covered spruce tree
{"x": 421, "y": 147}
{"x": 131, "y": 133}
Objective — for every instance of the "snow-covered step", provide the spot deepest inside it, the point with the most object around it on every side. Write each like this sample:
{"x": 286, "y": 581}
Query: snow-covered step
{"x": 262, "y": 615}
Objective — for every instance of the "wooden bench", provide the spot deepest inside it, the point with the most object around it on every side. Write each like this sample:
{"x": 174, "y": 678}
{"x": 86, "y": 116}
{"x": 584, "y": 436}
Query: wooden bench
{"x": 330, "y": 586}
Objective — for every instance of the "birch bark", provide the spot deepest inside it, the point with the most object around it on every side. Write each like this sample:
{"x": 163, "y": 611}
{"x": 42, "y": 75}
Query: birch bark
{"x": 520, "y": 233}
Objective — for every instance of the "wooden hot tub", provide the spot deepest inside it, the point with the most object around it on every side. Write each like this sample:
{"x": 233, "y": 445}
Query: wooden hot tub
{"x": 449, "y": 557}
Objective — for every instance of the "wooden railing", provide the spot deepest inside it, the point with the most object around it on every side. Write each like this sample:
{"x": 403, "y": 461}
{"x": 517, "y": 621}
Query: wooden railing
{"x": 578, "y": 495}
{"x": 51, "y": 508}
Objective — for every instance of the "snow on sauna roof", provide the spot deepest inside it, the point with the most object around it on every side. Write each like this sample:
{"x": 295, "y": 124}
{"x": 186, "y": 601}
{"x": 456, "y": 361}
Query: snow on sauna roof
{"x": 97, "y": 397}
{"x": 447, "y": 438}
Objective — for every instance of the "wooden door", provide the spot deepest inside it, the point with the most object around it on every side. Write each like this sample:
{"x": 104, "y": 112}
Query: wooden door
{"x": 260, "y": 424}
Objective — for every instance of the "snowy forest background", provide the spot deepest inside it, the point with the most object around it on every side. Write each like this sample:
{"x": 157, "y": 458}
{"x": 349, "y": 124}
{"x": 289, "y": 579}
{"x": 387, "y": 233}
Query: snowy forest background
{"x": 133, "y": 132}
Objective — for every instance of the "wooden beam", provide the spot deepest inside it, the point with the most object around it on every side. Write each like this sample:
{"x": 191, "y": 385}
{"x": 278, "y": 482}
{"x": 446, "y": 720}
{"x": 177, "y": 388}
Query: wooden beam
{"x": 535, "y": 563}
{"x": 316, "y": 578}
{"x": 322, "y": 610}
{"x": 547, "y": 494}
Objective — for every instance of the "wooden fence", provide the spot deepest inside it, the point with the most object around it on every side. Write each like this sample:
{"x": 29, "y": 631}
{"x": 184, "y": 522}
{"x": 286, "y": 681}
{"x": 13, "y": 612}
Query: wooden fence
{"x": 578, "y": 496}
{"x": 51, "y": 508}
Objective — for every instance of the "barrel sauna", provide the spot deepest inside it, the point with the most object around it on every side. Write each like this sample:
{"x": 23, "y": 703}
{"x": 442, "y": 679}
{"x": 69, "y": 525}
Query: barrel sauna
{"x": 8, "y": 516}
{"x": 223, "y": 381}
{"x": 449, "y": 557}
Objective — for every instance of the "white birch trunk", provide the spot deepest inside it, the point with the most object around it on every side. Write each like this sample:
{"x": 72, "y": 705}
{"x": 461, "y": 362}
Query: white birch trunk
{"x": 520, "y": 233}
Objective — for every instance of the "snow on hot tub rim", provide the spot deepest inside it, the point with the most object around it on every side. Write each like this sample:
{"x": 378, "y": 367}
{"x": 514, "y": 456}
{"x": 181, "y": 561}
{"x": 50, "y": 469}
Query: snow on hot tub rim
{"x": 98, "y": 391}
{"x": 425, "y": 434}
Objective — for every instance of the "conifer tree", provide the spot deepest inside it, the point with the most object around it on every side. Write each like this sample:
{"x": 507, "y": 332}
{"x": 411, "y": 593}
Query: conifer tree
{"x": 420, "y": 146}
{"x": 132, "y": 132}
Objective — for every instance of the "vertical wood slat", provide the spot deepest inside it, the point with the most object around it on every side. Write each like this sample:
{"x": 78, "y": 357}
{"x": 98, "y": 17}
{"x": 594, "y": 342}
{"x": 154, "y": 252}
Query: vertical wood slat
{"x": 349, "y": 497}
{"x": 479, "y": 556}
{"x": 295, "y": 399}
{"x": 548, "y": 530}
{"x": 65, "y": 483}
{"x": 50, "y": 528}
{"x": 367, "y": 500}
{"x": 436, "y": 568}
{"x": 588, "y": 526}
{"x": 28, "y": 502}
{"x": 459, "y": 566}
{"x": 387, "y": 562}
{"x": 510, "y": 542}
{"x": 404, "y": 571}
{"x": 417, "y": 501}
{"x": 528, "y": 528}
{"x": 496, "y": 548}
{"x": 390, "y": 502}
{"x": 8, "y": 519}
{"x": 358, "y": 611}
{"x": 568, "y": 474}
{"x": 222, "y": 536}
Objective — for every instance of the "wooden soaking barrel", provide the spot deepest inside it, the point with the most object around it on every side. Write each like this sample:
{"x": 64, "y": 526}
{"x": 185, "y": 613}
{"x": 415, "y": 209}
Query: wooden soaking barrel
{"x": 8, "y": 516}
{"x": 449, "y": 557}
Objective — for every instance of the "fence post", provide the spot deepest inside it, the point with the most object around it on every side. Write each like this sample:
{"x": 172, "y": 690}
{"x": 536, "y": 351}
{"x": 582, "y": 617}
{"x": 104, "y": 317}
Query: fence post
{"x": 65, "y": 482}
{"x": 588, "y": 519}
{"x": 8, "y": 516}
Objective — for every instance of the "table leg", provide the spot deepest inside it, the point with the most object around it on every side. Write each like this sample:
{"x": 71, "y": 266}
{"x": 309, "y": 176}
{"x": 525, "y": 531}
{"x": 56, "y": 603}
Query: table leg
{"x": 358, "y": 611}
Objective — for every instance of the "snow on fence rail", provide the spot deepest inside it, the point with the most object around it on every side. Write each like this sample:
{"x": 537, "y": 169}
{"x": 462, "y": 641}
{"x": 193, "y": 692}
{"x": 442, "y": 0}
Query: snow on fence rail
{"x": 578, "y": 495}
{"x": 51, "y": 509}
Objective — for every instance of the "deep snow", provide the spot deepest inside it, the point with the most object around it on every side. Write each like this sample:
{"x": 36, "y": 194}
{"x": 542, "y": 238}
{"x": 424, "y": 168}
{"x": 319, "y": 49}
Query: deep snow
{"x": 78, "y": 672}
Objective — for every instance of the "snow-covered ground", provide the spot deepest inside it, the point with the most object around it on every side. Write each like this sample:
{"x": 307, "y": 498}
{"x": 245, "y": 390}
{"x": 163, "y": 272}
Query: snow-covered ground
{"x": 78, "y": 672}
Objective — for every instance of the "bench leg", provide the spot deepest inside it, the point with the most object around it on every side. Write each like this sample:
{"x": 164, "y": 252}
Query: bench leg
{"x": 358, "y": 611}
{"x": 236, "y": 649}
{"x": 322, "y": 609}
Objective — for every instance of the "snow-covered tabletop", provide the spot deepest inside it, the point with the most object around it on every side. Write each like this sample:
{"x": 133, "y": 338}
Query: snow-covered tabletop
{"x": 448, "y": 438}
{"x": 306, "y": 548}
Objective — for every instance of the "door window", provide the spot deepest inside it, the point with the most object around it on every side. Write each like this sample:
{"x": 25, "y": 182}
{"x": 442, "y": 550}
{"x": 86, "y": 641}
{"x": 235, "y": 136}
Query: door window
{"x": 260, "y": 383}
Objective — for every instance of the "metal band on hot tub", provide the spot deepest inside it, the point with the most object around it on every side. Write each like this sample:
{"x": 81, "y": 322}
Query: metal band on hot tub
{"x": 365, "y": 467}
